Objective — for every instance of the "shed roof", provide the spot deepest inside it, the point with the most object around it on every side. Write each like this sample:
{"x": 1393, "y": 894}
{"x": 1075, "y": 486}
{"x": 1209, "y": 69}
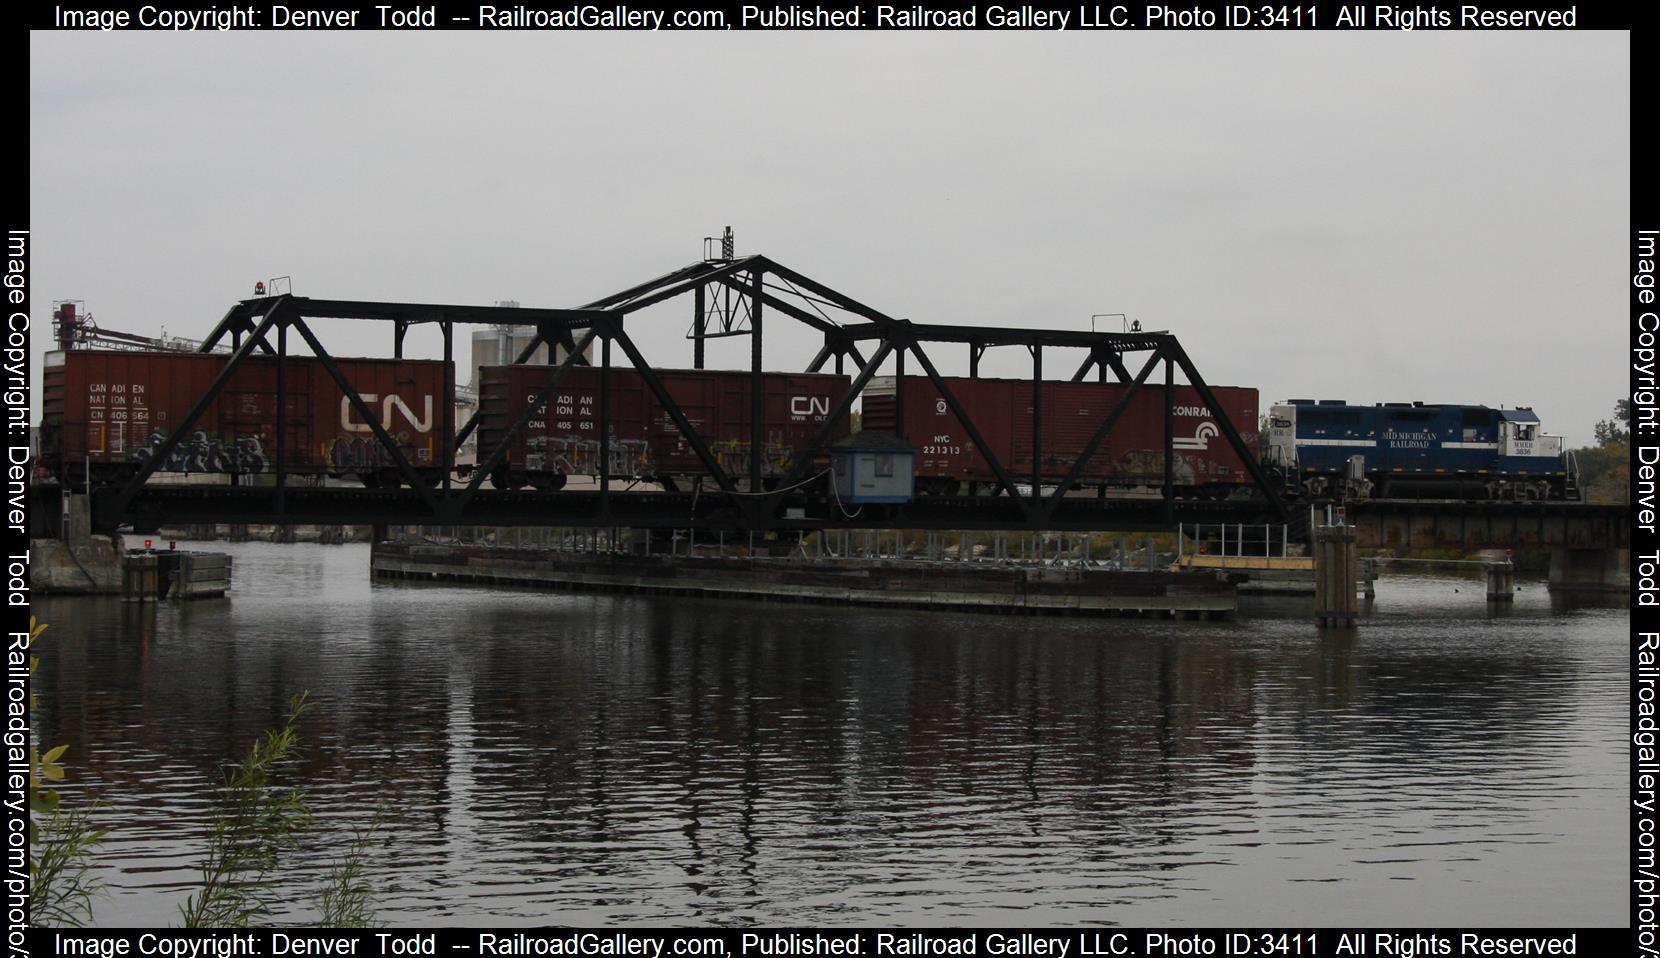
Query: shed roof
{"x": 871, "y": 441}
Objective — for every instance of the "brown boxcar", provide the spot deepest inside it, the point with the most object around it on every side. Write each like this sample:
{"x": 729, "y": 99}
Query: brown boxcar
{"x": 563, "y": 439}
{"x": 1131, "y": 455}
{"x": 111, "y": 410}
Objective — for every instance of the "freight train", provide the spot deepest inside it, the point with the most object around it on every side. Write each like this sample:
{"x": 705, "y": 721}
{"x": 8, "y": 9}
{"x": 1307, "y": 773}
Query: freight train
{"x": 106, "y": 413}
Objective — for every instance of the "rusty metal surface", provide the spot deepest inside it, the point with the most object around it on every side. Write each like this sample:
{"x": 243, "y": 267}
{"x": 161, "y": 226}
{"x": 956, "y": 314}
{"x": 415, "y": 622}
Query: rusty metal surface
{"x": 564, "y": 438}
{"x": 1133, "y": 453}
{"x": 113, "y": 409}
{"x": 1468, "y": 526}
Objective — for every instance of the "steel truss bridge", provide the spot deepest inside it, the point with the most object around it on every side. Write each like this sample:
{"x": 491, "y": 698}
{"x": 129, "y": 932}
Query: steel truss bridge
{"x": 730, "y": 296}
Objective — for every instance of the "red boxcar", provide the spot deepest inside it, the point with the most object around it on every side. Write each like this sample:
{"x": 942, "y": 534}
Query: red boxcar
{"x": 563, "y": 439}
{"x": 1131, "y": 455}
{"x": 112, "y": 410}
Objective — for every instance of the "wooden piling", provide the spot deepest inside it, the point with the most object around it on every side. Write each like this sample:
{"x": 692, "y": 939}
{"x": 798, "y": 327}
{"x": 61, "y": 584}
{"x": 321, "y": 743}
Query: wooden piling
{"x": 139, "y": 578}
{"x": 1334, "y": 576}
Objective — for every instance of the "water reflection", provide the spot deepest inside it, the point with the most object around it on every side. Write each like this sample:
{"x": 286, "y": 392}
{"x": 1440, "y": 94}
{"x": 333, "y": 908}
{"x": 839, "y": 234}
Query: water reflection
{"x": 581, "y": 759}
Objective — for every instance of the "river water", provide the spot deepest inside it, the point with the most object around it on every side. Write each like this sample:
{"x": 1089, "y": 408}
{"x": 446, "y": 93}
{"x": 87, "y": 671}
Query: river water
{"x": 536, "y": 758}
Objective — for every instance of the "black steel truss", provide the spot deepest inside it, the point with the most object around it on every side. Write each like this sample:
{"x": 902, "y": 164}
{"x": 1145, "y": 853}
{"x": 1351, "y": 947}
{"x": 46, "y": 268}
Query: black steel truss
{"x": 843, "y": 322}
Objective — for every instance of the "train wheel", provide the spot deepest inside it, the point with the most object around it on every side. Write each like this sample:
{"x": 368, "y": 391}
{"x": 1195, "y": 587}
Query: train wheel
{"x": 548, "y": 482}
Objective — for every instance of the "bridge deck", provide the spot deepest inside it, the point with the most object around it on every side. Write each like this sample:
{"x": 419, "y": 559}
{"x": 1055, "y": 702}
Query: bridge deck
{"x": 1468, "y": 526}
{"x": 1412, "y": 524}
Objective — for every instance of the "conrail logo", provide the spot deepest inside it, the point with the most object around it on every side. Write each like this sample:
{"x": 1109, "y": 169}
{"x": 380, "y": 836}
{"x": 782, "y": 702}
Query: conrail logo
{"x": 389, "y": 403}
{"x": 1201, "y": 437}
{"x": 809, "y": 405}
{"x": 1191, "y": 411}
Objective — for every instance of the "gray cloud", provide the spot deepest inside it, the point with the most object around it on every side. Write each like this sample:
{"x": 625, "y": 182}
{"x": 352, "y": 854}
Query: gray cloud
{"x": 1368, "y": 216}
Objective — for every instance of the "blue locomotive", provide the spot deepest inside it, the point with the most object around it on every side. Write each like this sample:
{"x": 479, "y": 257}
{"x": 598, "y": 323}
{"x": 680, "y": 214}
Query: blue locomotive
{"x": 1330, "y": 449}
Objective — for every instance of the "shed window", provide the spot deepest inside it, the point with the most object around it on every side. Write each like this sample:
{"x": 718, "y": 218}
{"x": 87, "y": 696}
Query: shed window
{"x": 884, "y": 466}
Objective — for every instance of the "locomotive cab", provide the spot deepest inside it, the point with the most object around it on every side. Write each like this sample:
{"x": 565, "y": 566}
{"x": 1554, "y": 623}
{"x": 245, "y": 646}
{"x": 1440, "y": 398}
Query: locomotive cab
{"x": 1519, "y": 435}
{"x": 1280, "y": 446}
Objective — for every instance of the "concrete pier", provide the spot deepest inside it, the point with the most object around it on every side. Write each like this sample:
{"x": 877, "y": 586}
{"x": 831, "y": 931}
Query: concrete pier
{"x": 1590, "y": 570}
{"x": 88, "y": 566}
{"x": 1501, "y": 582}
{"x": 78, "y": 563}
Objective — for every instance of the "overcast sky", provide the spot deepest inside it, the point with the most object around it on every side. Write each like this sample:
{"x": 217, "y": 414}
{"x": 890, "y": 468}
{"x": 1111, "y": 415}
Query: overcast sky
{"x": 1370, "y": 217}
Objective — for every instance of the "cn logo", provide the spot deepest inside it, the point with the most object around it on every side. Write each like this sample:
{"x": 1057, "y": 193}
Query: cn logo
{"x": 1201, "y": 437}
{"x": 809, "y": 406}
{"x": 424, "y": 424}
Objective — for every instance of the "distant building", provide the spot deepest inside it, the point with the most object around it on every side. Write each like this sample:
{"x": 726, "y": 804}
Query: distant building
{"x": 500, "y": 345}
{"x": 496, "y": 346}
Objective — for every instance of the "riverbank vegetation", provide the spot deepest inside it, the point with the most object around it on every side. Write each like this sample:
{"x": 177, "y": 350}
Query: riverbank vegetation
{"x": 259, "y": 821}
{"x": 1605, "y": 468}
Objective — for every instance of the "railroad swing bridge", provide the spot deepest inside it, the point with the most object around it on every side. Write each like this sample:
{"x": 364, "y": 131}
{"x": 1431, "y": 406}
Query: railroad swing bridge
{"x": 730, "y": 296}
{"x": 719, "y": 491}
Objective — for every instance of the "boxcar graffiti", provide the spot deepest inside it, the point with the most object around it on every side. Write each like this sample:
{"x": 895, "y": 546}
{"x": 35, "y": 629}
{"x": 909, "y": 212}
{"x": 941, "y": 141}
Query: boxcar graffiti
{"x": 105, "y": 413}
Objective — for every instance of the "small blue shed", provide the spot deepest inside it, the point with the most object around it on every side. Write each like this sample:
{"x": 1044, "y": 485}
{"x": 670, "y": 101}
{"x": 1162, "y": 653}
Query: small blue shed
{"x": 873, "y": 467}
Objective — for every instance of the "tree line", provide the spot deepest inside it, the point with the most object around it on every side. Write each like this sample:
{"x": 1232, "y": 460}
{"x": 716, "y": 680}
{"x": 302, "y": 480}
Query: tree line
{"x": 1605, "y": 468}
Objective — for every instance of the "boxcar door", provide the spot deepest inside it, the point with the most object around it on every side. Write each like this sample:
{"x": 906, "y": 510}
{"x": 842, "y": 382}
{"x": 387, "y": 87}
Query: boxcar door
{"x": 247, "y": 440}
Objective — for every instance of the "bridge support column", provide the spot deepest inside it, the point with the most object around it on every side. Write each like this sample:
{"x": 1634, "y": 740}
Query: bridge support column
{"x": 1590, "y": 570}
{"x": 1501, "y": 581}
{"x": 1334, "y": 576}
{"x": 77, "y": 519}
